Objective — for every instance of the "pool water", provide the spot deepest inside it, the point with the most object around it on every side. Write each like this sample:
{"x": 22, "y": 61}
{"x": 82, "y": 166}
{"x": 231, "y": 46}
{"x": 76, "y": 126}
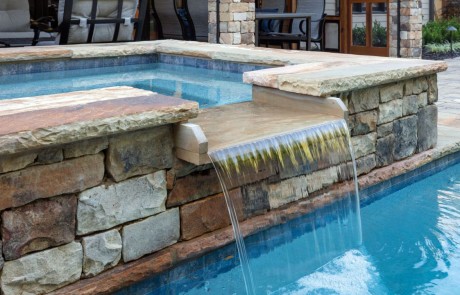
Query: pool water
{"x": 411, "y": 245}
{"x": 206, "y": 86}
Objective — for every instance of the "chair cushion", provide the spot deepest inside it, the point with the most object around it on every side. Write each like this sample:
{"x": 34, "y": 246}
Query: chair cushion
{"x": 14, "y": 16}
{"x": 268, "y": 25}
{"x": 106, "y": 9}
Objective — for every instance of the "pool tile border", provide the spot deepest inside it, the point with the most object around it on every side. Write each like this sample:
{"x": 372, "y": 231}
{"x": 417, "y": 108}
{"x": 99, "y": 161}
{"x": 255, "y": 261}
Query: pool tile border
{"x": 77, "y": 64}
{"x": 378, "y": 191}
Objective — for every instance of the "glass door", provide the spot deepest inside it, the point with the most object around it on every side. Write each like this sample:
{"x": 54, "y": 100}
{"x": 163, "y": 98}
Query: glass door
{"x": 368, "y": 27}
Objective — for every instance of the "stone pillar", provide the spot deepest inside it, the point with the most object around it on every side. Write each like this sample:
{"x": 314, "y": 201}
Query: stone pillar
{"x": 236, "y": 19}
{"x": 410, "y": 28}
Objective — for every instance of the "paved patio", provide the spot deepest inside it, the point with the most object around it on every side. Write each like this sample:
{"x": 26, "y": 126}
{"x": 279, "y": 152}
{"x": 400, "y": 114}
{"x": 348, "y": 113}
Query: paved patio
{"x": 449, "y": 104}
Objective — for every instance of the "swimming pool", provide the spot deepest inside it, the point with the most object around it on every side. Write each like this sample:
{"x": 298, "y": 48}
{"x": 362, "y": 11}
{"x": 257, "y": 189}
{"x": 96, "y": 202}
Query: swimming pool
{"x": 208, "y": 87}
{"x": 411, "y": 245}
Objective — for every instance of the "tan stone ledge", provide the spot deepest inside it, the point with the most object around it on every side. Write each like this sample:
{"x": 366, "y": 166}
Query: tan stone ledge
{"x": 316, "y": 73}
{"x": 43, "y": 121}
{"x": 134, "y": 272}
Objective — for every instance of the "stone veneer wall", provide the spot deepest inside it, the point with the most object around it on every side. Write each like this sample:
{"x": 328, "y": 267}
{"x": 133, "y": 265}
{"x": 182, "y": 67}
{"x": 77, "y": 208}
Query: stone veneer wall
{"x": 392, "y": 122}
{"x": 236, "y": 21}
{"x": 74, "y": 211}
{"x": 411, "y": 23}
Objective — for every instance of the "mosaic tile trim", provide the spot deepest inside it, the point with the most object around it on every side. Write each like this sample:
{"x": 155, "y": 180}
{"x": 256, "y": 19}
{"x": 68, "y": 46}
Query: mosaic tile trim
{"x": 211, "y": 64}
{"x": 384, "y": 188}
{"x": 74, "y": 64}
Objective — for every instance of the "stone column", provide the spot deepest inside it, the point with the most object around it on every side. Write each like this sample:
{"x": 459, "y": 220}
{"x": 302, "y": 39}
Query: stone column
{"x": 236, "y": 19}
{"x": 410, "y": 28}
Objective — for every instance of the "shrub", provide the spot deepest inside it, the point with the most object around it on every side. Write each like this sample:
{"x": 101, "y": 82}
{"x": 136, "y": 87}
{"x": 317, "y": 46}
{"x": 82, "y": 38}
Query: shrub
{"x": 435, "y": 32}
{"x": 379, "y": 35}
{"x": 359, "y": 36}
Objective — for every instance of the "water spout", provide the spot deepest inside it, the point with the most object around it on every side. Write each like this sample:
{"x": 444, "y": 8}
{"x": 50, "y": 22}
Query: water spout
{"x": 285, "y": 168}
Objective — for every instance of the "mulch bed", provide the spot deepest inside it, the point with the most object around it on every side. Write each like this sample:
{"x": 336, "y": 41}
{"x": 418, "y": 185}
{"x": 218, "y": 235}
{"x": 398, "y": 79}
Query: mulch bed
{"x": 438, "y": 56}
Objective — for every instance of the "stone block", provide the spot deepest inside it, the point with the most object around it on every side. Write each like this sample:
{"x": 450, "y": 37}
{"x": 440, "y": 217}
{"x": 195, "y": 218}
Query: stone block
{"x": 405, "y": 132}
{"x": 255, "y": 199}
{"x": 364, "y": 100}
{"x": 410, "y": 105}
{"x": 240, "y": 16}
{"x": 364, "y": 144}
{"x": 391, "y": 92}
{"x": 390, "y": 111}
{"x": 44, "y": 271}
{"x": 384, "y": 130}
{"x": 432, "y": 89}
{"x": 427, "y": 131}
{"x": 362, "y": 123}
{"x": 385, "y": 150}
{"x": 101, "y": 252}
{"x": 408, "y": 87}
{"x": 15, "y": 162}
{"x": 321, "y": 179}
{"x": 365, "y": 164}
{"x": 151, "y": 234}
{"x": 49, "y": 156}
{"x": 422, "y": 99}
{"x": 233, "y": 27}
{"x": 104, "y": 207}
{"x": 209, "y": 214}
{"x": 420, "y": 85}
{"x": 44, "y": 181}
{"x": 140, "y": 152}
{"x": 287, "y": 191}
{"x": 226, "y": 38}
{"x": 37, "y": 226}
{"x": 239, "y": 7}
{"x": 193, "y": 187}
{"x": 86, "y": 147}
{"x": 2, "y": 261}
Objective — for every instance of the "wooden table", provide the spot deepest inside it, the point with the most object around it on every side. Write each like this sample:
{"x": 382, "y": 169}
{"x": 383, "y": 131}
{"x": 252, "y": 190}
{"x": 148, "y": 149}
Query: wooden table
{"x": 286, "y": 37}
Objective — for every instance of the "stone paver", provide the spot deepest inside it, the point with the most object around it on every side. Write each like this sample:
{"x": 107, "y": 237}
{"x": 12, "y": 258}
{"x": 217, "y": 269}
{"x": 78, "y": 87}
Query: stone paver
{"x": 449, "y": 104}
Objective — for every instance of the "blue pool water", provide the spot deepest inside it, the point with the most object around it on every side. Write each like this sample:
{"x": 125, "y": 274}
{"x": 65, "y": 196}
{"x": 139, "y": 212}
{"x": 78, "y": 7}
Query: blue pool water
{"x": 206, "y": 86}
{"x": 411, "y": 245}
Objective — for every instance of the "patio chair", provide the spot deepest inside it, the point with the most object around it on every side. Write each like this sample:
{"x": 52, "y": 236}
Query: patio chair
{"x": 172, "y": 22}
{"x": 198, "y": 11}
{"x": 15, "y": 23}
{"x": 297, "y": 28}
{"x": 271, "y": 6}
{"x": 316, "y": 7}
{"x": 97, "y": 21}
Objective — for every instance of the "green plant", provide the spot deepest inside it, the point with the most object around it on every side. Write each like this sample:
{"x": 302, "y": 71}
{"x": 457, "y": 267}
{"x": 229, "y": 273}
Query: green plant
{"x": 435, "y": 32}
{"x": 359, "y": 36}
{"x": 379, "y": 35}
{"x": 442, "y": 48}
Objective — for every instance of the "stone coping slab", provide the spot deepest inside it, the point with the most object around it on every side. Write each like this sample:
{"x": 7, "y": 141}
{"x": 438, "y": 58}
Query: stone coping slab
{"x": 319, "y": 73}
{"x": 42, "y": 121}
{"x": 240, "y": 123}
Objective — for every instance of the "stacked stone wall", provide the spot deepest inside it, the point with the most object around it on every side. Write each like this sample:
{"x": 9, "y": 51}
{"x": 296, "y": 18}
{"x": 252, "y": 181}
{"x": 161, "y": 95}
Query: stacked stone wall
{"x": 236, "y": 21}
{"x": 411, "y": 23}
{"x": 392, "y": 122}
{"x": 75, "y": 211}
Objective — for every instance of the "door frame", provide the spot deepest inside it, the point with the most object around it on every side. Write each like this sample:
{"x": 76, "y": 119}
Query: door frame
{"x": 346, "y": 12}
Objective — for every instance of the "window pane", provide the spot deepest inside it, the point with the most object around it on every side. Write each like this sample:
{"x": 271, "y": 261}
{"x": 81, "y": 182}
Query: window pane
{"x": 379, "y": 25}
{"x": 359, "y": 25}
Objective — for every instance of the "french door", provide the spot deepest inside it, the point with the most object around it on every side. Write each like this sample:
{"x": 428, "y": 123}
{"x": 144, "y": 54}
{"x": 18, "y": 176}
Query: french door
{"x": 368, "y": 27}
